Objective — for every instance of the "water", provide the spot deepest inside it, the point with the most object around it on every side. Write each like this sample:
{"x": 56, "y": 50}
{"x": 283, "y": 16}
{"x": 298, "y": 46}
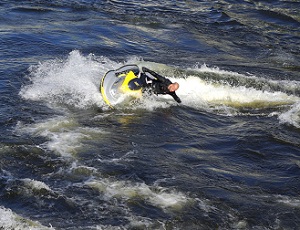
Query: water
{"x": 226, "y": 158}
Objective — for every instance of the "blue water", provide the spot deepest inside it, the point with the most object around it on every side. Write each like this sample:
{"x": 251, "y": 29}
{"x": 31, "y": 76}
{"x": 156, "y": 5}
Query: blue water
{"x": 228, "y": 157}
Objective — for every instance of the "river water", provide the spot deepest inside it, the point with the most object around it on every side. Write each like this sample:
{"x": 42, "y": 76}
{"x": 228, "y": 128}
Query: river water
{"x": 228, "y": 157}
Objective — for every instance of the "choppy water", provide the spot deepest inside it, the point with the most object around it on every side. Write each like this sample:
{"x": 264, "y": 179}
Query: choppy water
{"x": 228, "y": 157}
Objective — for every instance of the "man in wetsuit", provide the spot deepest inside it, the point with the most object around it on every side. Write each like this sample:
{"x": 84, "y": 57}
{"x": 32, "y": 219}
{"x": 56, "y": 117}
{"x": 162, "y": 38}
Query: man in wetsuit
{"x": 155, "y": 83}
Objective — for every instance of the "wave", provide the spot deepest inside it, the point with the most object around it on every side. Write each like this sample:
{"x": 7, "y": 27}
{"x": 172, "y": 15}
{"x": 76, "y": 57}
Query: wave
{"x": 74, "y": 83}
{"x": 292, "y": 116}
{"x": 10, "y": 220}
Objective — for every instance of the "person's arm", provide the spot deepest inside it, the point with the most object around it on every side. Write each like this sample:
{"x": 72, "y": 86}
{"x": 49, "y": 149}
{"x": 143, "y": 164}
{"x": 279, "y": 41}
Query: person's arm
{"x": 162, "y": 86}
{"x": 156, "y": 75}
{"x": 176, "y": 98}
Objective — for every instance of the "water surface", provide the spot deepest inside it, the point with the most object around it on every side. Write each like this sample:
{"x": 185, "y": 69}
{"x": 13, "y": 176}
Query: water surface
{"x": 226, "y": 158}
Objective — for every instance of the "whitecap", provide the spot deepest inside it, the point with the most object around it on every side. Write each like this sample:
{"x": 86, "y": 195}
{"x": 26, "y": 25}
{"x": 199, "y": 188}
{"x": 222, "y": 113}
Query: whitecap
{"x": 10, "y": 220}
{"x": 157, "y": 196}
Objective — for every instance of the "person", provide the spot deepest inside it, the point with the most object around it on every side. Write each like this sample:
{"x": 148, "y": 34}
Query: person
{"x": 151, "y": 81}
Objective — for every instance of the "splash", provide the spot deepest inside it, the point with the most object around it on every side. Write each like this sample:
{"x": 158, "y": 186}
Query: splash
{"x": 10, "y": 220}
{"x": 35, "y": 185}
{"x": 64, "y": 134}
{"x": 196, "y": 91}
{"x": 72, "y": 82}
{"x": 292, "y": 116}
{"x": 127, "y": 191}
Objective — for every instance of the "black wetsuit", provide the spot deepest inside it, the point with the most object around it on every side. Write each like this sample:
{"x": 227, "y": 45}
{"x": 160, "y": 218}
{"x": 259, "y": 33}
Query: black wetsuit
{"x": 156, "y": 83}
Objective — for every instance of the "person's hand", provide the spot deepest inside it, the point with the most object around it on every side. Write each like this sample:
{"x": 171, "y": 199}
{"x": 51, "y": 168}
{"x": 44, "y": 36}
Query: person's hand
{"x": 144, "y": 69}
{"x": 173, "y": 87}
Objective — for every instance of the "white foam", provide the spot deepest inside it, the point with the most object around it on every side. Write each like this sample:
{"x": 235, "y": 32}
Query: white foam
{"x": 74, "y": 82}
{"x": 292, "y": 116}
{"x": 157, "y": 196}
{"x": 64, "y": 134}
{"x": 196, "y": 92}
{"x": 36, "y": 185}
{"x": 292, "y": 202}
{"x": 125, "y": 157}
{"x": 152, "y": 102}
{"x": 81, "y": 170}
{"x": 205, "y": 69}
{"x": 10, "y": 220}
{"x": 135, "y": 222}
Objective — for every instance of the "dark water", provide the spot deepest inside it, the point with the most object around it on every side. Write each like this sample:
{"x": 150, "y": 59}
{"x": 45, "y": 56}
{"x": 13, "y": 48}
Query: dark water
{"x": 228, "y": 157}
